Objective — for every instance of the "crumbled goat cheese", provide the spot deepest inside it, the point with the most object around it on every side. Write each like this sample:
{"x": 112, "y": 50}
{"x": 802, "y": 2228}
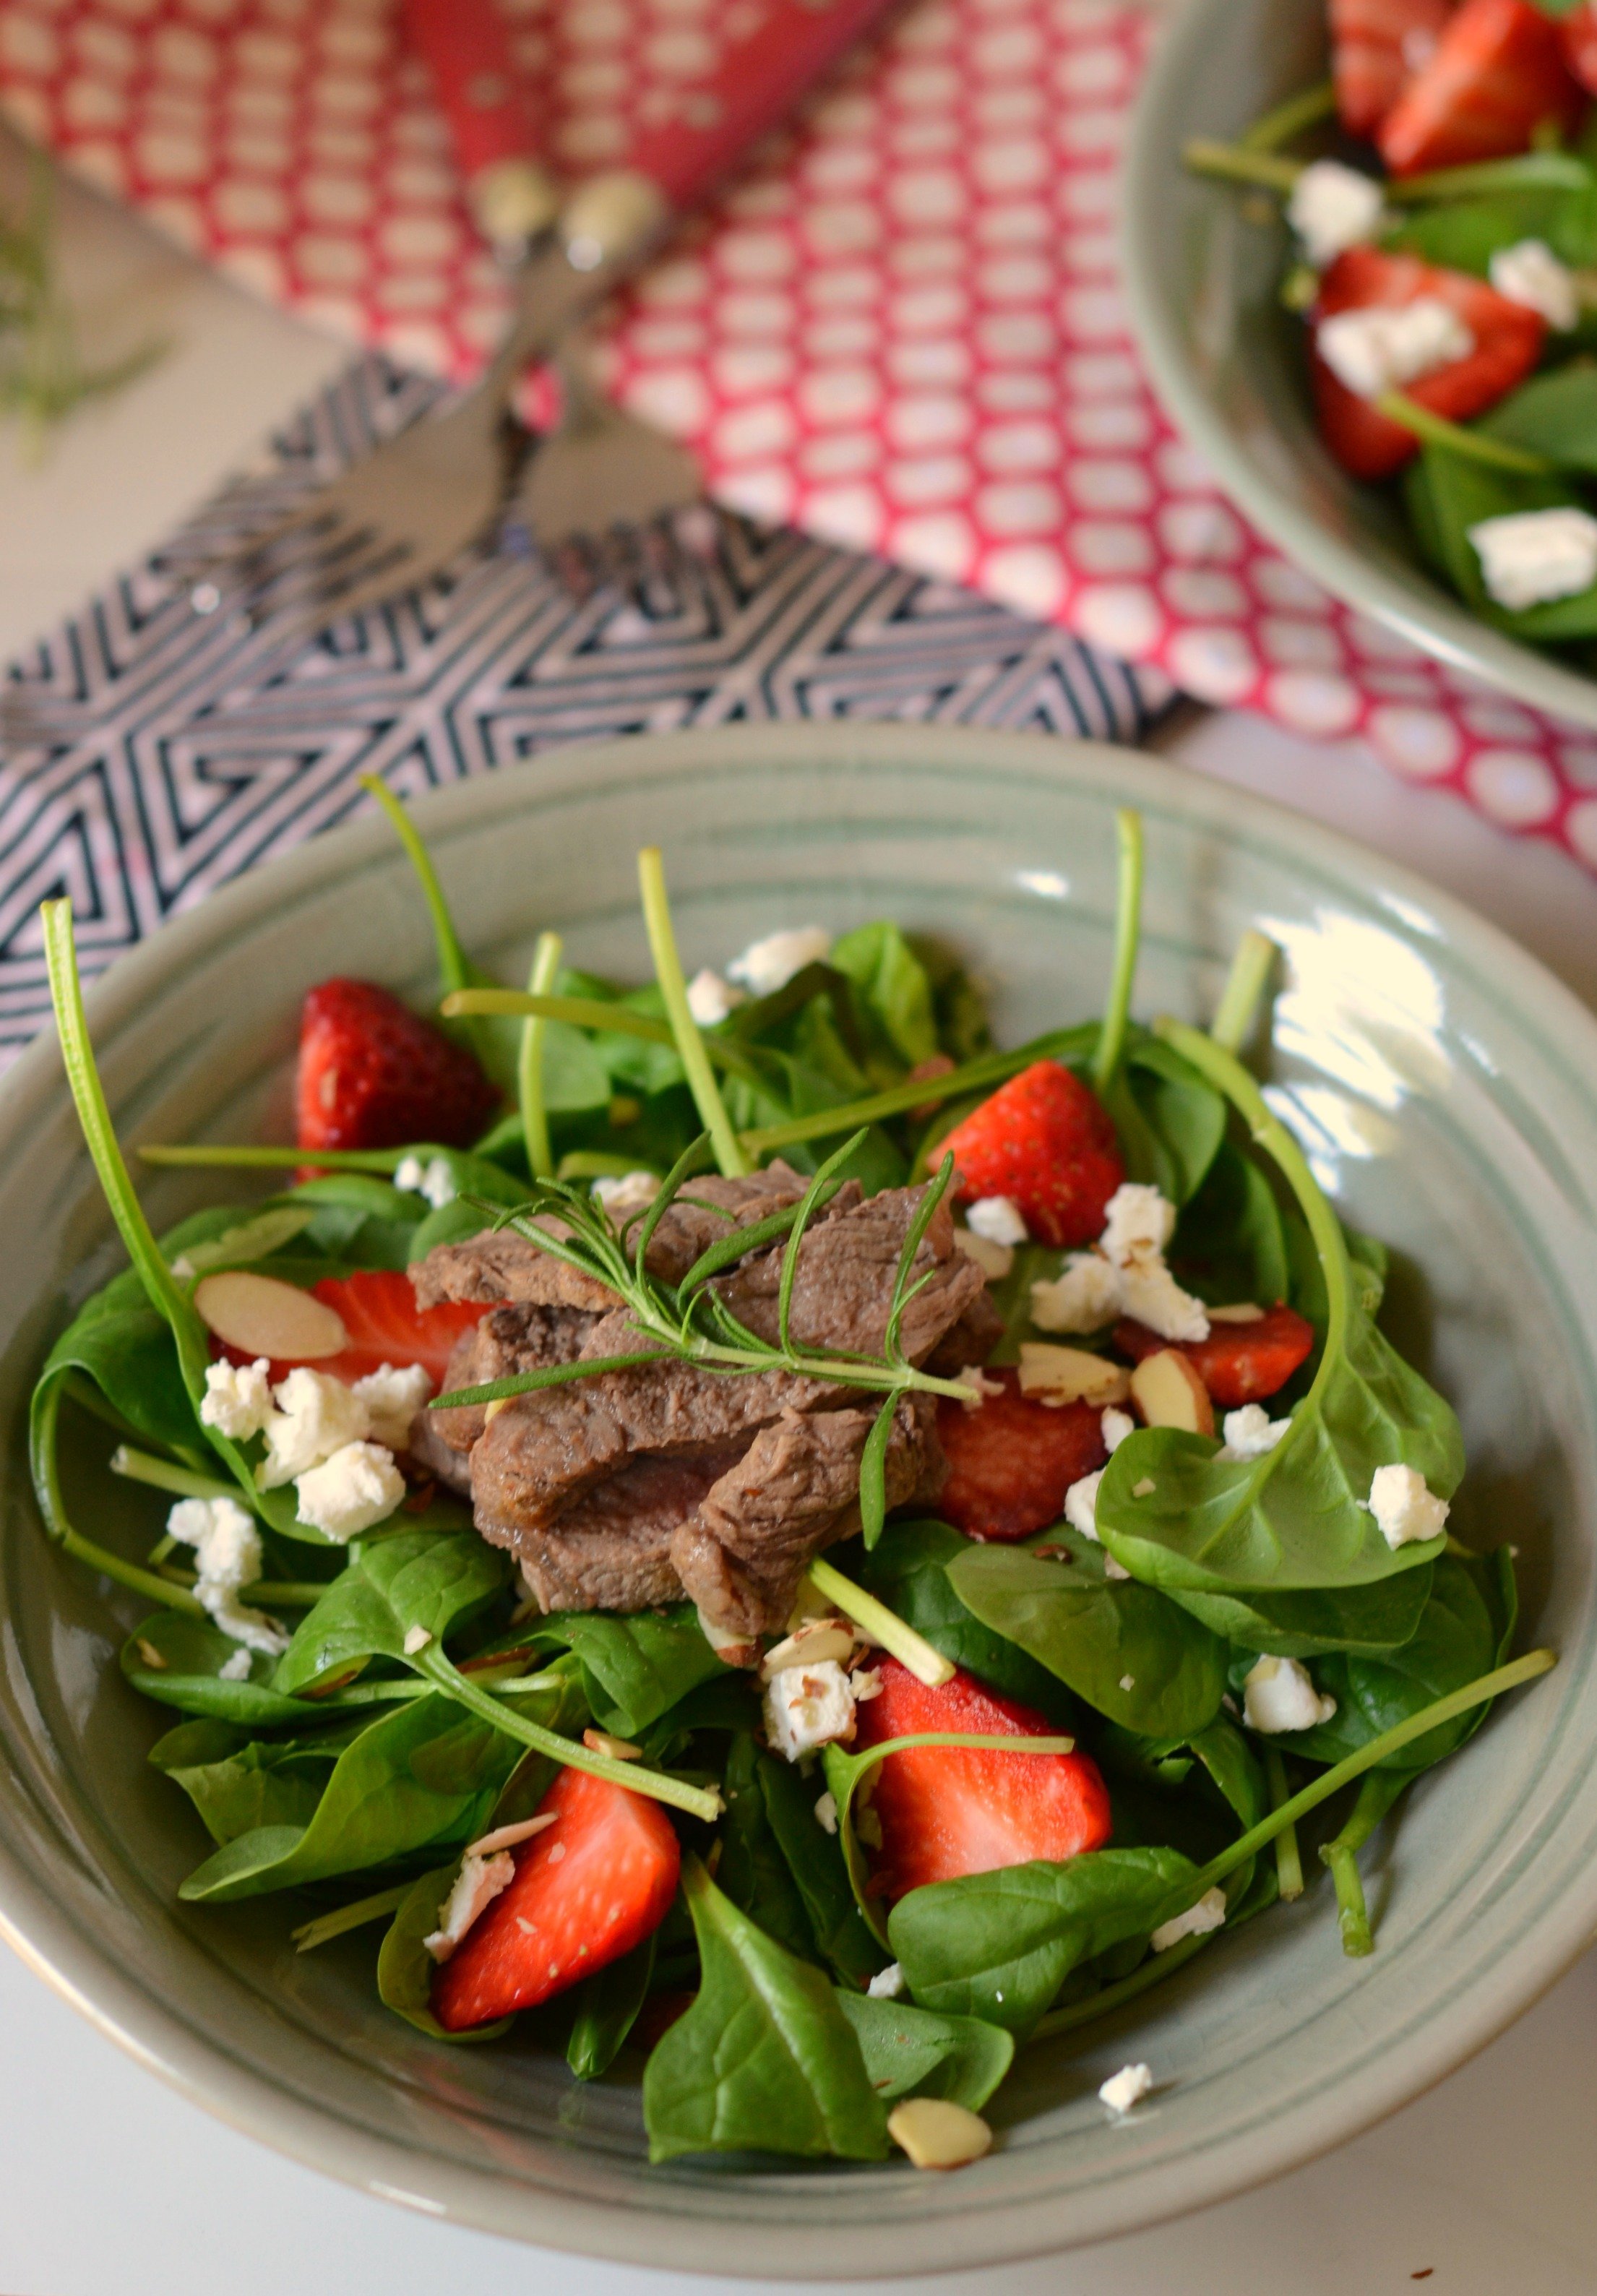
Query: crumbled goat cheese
{"x": 865, "y": 1683}
{"x": 1144, "y": 1487}
{"x": 1150, "y": 1293}
{"x": 393, "y": 1395}
{"x": 994, "y": 1260}
{"x": 1207, "y": 1913}
{"x": 1137, "y": 1220}
{"x": 1532, "y": 556}
{"x": 1128, "y": 1682}
{"x": 887, "y": 1984}
{"x": 769, "y": 965}
{"x": 1381, "y": 346}
{"x": 435, "y": 1179}
{"x": 417, "y": 1638}
{"x": 632, "y": 1191}
{"x": 710, "y": 998}
{"x": 1250, "y": 1433}
{"x": 1530, "y": 273}
{"x": 826, "y": 1813}
{"x": 1081, "y": 1505}
{"x": 478, "y": 1883}
{"x": 981, "y": 1386}
{"x": 1126, "y": 2088}
{"x": 996, "y": 1218}
{"x": 237, "y": 1667}
{"x": 1333, "y": 208}
{"x": 1113, "y": 1570}
{"x": 1403, "y": 1508}
{"x": 358, "y": 1486}
{"x": 1280, "y": 1694}
{"x": 1085, "y": 1297}
{"x": 316, "y": 1415}
{"x": 808, "y": 1706}
{"x": 226, "y": 1547}
{"x": 237, "y": 1399}
{"x": 1116, "y": 1426}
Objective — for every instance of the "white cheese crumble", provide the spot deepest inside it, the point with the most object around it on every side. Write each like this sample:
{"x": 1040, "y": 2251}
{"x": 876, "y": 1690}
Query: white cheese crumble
{"x": 1382, "y": 346}
{"x": 1116, "y": 1426}
{"x": 710, "y": 999}
{"x": 357, "y": 1487}
{"x": 435, "y": 1179}
{"x": 767, "y": 965}
{"x": 807, "y": 1707}
{"x": 1403, "y": 1507}
{"x": 887, "y": 1984}
{"x": 1137, "y": 1220}
{"x": 826, "y": 1813}
{"x": 1333, "y": 208}
{"x": 393, "y": 1395}
{"x": 477, "y": 1884}
{"x": 1280, "y": 1694}
{"x": 237, "y": 1667}
{"x": 1126, "y": 2088}
{"x": 237, "y": 1401}
{"x": 1081, "y": 1505}
{"x": 1250, "y": 1433}
{"x": 1532, "y": 556}
{"x": 980, "y": 1386}
{"x": 1530, "y": 273}
{"x": 1083, "y": 1298}
{"x": 316, "y": 1415}
{"x": 996, "y": 1218}
{"x": 1207, "y": 1913}
{"x": 1124, "y": 1275}
{"x": 417, "y": 1638}
{"x": 631, "y": 1191}
{"x": 226, "y": 1545}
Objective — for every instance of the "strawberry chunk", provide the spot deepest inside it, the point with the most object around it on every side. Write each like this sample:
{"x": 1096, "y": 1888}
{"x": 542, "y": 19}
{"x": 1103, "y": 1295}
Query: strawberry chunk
{"x": 373, "y": 1074}
{"x": 945, "y": 1811}
{"x": 1508, "y": 342}
{"x": 1048, "y": 1144}
{"x": 1238, "y": 1363}
{"x": 1579, "y": 32}
{"x": 587, "y": 1889}
{"x": 1010, "y": 1464}
{"x": 1376, "y": 47}
{"x": 1499, "y": 72}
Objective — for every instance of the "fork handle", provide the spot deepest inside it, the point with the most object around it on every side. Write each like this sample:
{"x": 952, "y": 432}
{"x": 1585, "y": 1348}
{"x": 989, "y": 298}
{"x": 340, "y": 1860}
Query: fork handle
{"x": 465, "y": 45}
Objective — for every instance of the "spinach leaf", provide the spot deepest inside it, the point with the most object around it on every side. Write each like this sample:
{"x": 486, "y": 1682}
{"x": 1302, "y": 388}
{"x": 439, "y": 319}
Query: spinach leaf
{"x": 192, "y": 1653}
{"x": 1179, "y": 1118}
{"x": 815, "y": 1858}
{"x": 607, "y": 2009}
{"x": 258, "y": 1784}
{"x": 1361, "y": 1620}
{"x": 1125, "y": 1649}
{"x": 1448, "y": 493}
{"x": 129, "y": 1354}
{"x": 1464, "y": 1630}
{"x": 765, "y": 2060}
{"x": 405, "y": 1969}
{"x": 1552, "y": 415}
{"x": 908, "y": 1570}
{"x": 410, "y": 1579}
{"x": 636, "y": 1665}
{"x": 753, "y": 1872}
{"x": 910, "y": 2052}
{"x": 999, "y": 1945}
{"x": 895, "y": 994}
{"x": 1230, "y": 1243}
{"x": 1297, "y": 1516}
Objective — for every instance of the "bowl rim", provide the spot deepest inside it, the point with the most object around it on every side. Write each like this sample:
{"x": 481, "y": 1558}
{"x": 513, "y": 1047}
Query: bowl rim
{"x": 72, "y": 1962}
{"x": 1438, "y": 624}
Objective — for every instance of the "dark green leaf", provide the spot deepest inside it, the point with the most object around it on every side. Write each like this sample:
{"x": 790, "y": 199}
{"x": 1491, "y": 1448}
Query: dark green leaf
{"x": 1231, "y": 1243}
{"x": 907, "y": 1570}
{"x": 1448, "y": 495}
{"x": 754, "y": 1873}
{"x": 1362, "y": 1620}
{"x": 607, "y": 2009}
{"x": 815, "y": 1858}
{"x": 910, "y": 2052}
{"x": 1183, "y": 1117}
{"x": 638, "y": 1664}
{"x": 413, "y": 1578}
{"x": 405, "y": 1969}
{"x": 894, "y": 992}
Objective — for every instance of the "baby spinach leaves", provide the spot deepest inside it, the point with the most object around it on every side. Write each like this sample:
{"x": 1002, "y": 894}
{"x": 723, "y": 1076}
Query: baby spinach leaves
{"x": 910, "y": 2052}
{"x": 1361, "y": 1620}
{"x": 1447, "y": 494}
{"x": 607, "y": 2009}
{"x": 636, "y": 1665}
{"x": 405, "y": 1969}
{"x": 410, "y": 1582}
{"x": 766, "y": 2060}
{"x": 908, "y": 1570}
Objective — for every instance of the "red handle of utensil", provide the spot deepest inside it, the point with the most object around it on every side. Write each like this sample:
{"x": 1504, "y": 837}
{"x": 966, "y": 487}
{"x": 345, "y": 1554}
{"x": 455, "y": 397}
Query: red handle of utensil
{"x": 763, "y": 71}
{"x": 488, "y": 103}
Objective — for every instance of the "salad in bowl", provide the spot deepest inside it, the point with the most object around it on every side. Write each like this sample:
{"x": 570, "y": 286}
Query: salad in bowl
{"x": 773, "y": 1544}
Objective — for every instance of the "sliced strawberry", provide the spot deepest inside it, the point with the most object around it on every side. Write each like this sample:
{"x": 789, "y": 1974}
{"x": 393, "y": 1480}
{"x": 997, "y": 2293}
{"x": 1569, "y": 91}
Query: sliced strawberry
{"x": 1010, "y": 1464}
{"x": 1377, "y": 46}
{"x": 587, "y": 1890}
{"x": 1508, "y": 342}
{"x": 1498, "y": 73}
{"x": 1579, "y": 32}
{"x": 373, "y": 1074}
{"x": 385, "y": 1326}
{"x": 1238, "y": 1363}
{"x": 945, "y": 1811}
{"x": 1047, "y": 1143}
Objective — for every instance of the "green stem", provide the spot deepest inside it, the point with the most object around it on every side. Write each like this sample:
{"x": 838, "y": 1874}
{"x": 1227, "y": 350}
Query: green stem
{"x": 1110, "y": 1997}
{"x": 1376, "y": 1796}
{"x": 1128, "y": 929}
{"x": 453, "y": 966}
{"x": 696, "y": 1800}
{"x": 1288, "y": 120}
{"x": 1289, "y": 1864}
{"x": 589, "y": 1012}
{"x": 685, "y": 1029}
{"x": 161, "y": 1475}
{"x": 46, "y": 1477}
{"x": 270, "y": 1160}
{"x": 1236, "y": 163}
{"x": 974, "y": 1076}
{"x": 883, "y": 1626}
{"x": 1558, "y": 171}
{"x": 353, "y": 1916}
{"x": 1245, "y": 986}
{"x": 529, "y": 1066}
{"x": 1469, "y": 446}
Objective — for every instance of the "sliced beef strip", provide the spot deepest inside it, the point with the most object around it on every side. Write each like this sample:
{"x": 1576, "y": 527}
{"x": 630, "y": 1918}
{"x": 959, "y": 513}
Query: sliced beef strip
{"x": 611, "y": 1549}
{"x": 507, "y": 1341}
{"x": 794, "y": 1491}
{"x": 969, "y": 1340}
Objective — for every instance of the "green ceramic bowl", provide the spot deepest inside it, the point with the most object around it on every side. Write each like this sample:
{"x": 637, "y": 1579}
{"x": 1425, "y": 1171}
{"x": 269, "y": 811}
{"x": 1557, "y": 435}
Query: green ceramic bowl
{"x": 1203, "y": 283}
{"x": 1448, "y": 1090}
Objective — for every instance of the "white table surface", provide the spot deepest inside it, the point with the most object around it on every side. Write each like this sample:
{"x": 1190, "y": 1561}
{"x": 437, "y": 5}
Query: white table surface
{"x": 108, "y": 2182}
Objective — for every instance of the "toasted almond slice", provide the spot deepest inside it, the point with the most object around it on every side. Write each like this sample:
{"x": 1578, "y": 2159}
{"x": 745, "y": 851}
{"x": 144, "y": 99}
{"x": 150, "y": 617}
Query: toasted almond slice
{"x": 1244, "y": 1311}
{"x": 506, "y": 1837}
{"x": 491, "y": 1409}
{"x": 1169, "y": 1393}
{"x": 994, "y": 1260}
{"x": 936, "y": 2134}
{"x": 261, "y": 1315}
{"x": 620, "y": 1750}
{"x": 807, "y": 1646}
{"x": 1070, "y": 1375}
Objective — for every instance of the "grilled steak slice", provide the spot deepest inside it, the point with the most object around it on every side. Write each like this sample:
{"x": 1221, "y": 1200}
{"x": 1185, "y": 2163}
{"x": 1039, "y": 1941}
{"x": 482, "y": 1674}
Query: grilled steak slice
{"x": 611, "y": 1548}
{"x": 795, "y": 1490}
{"x": 508, "y": 1339}
{"x": 970, "y": 1341}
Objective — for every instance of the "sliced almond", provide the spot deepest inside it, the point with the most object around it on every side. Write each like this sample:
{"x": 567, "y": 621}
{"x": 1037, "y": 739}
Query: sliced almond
{"x": 1243, "y": 1311}
{"x": 994, "y": 1260}
{"x": 936, "y": 2134}
{"x": 1070, "y": 1375}
{"x": 822, "y": 1638}
{"x": 261, "y": 1315}
{"x": 620, "y": 1750}
{"x": 506, "y": 1837}
{"x": 493, "y": 1407}
{"x": 1169, "y": 1393}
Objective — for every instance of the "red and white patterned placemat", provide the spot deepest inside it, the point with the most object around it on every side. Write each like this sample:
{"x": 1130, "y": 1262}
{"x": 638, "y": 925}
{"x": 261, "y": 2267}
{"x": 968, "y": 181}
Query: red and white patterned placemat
{"x": 901, "y": 329}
